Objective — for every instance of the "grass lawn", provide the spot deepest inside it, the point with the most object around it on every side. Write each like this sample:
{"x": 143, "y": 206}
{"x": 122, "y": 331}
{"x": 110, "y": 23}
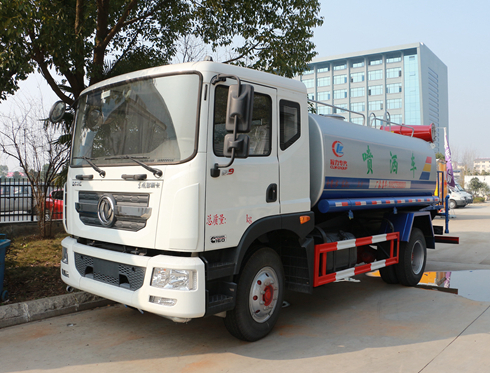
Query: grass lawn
{"x": 32, "y": 268}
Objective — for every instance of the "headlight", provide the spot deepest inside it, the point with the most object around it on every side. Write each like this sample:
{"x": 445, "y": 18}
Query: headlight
{"x": 176, "y": 279}
{"x": 64, "y": 255}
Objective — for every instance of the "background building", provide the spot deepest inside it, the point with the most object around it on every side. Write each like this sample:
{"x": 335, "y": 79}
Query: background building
{"x": 408, "y": 81}
{"x": 481, "y": 164}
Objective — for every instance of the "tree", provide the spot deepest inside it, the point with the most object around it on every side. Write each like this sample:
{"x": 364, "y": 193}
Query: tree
{"x": 34, "y": 145}
{"x": 440, "y": 156}
{"x": 4, "y": 171}
{"x": 478, "y": 187}
{"x": 76, "y": 43}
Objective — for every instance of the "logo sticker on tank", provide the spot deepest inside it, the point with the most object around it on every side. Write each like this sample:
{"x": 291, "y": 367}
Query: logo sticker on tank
{"x": 338, "y": 149}
{"x": 336, "y": 164}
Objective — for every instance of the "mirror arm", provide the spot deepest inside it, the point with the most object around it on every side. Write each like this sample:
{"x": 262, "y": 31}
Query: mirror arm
{"x": 215, "y": 170}
{"x": 222, "y": 78}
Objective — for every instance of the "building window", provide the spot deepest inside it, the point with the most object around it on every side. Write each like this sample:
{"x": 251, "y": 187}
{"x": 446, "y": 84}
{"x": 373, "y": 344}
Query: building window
{"x": 324, "y": 110}
{"x": 376, "y": 61}
{"x": 357, "y": 106}
{"x": 395, "y": 103}
{"x": 260, "y": 132}
{"x": 340, "y": 79}
{"x": 375, "y": 90}
{"x": 394, "y": 88}
{"x": 308, "y": 72}
{"x": 309, "y": 83}
{"x": 375, "y": 74}
{"x": 323, "y": 96}
{"x": 393, "y": 59}
{"x": 357, "y": 120}
{"x": 357, "y": 64}
{"x": 396, "y": 118}
{"x": 339, "y": 108}
{"x": 357, "y": 92}
{"x": 375, "y": 105}
{"x": 395, "y": 72}
{"x": 322, "y": 82}
{"x": 311, "y": 96}
{"x": 290, "y": 124}
{"x": 412, "y": 111}
{"x": 323, "y": 69}
{"x": 340, "y": 93}
{"x": 356, "y": 77}
{"x": 341, "y": 66}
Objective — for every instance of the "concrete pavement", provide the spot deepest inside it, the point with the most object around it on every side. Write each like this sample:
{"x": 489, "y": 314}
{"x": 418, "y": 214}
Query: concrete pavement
{"x": 365, "y": 326}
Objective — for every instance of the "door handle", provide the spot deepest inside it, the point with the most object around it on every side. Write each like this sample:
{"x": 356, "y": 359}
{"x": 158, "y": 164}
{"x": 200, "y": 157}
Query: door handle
{"x": 271, "y": 193}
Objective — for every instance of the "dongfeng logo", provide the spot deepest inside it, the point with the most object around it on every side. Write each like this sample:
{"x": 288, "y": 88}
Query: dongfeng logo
{"x": 106, "y": 210}
{"x": 338, "y": 148}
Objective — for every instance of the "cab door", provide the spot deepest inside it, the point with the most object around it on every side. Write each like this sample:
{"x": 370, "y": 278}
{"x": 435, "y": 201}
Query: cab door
{"x": 247, "y": 190}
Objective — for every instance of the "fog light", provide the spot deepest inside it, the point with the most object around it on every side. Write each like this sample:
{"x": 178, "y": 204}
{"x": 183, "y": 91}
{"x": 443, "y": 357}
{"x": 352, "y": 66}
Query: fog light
{"x": 169, "y": 302}
{"x": 176, "y": 279}
{"x": 64, "y": 255}
{"x": 65, "y": 273}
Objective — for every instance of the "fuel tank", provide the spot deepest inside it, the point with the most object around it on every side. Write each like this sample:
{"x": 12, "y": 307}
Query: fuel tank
{"x": 352, "y": 161}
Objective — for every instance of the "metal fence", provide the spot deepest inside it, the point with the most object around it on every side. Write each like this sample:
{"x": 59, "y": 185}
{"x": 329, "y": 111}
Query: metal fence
{"x": 17, "y": 201}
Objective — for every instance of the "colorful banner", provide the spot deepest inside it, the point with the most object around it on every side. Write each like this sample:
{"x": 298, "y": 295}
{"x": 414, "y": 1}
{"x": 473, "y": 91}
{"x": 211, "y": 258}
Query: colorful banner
{"x": 449, "y": 165}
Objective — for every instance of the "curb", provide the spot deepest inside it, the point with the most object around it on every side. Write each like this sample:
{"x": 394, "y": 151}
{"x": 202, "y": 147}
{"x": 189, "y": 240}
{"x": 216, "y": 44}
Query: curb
{"x": 24, "y": 312}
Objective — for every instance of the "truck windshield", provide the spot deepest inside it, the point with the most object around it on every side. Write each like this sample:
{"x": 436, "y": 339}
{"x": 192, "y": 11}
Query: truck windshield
{"x": 153, "y": 118}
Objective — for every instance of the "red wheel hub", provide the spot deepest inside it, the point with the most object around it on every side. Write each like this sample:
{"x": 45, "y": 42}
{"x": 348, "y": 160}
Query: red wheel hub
{"x": 268, "y": 295}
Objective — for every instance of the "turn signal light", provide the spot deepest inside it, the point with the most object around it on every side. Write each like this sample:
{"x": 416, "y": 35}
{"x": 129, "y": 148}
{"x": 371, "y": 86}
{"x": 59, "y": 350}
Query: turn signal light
{"x": 304, "y": 219}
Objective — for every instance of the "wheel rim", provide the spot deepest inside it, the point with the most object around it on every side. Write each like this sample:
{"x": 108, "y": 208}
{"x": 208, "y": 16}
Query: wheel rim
{"x": 263, "y": 294}
{"x": 417, "y": 257}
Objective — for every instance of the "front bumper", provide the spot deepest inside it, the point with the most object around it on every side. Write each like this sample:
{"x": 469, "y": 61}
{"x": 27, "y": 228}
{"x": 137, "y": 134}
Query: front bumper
{"x": 189, "y": 304}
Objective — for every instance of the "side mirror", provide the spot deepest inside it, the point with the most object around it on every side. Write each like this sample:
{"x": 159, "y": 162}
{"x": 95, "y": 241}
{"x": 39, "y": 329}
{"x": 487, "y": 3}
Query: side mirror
{"x": 241, "y": 145}
{"x": 57, "y": 111}
{"x": 240, "y": 106}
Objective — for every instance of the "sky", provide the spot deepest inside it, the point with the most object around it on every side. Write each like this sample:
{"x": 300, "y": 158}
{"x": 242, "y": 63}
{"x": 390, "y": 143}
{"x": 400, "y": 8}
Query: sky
{"x": 458, "y": 32}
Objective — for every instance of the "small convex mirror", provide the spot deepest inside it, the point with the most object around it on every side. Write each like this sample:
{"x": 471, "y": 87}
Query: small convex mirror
{"x": 241, "y": 146}
{"x": 57, "y": 111}
{"x": 240, "y": 105}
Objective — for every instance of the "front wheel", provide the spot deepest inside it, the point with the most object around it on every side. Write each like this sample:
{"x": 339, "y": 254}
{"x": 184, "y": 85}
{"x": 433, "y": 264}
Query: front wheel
{"x": 412, "y": 259}
{"x": 259, "y": 297}
{"x": 452, "y": 204}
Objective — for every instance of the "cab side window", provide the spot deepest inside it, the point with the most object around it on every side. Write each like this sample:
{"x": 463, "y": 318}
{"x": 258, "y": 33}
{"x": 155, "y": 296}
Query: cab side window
{"x": 260, "y": 133}
{"x": 290, "y": 123}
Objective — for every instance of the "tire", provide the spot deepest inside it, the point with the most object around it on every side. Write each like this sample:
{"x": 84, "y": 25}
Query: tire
{"x": 452, "y": 204}
{"x": 388, "y": 274}
{"x": 258, "y": 300}
{"x": 412, "y": 259}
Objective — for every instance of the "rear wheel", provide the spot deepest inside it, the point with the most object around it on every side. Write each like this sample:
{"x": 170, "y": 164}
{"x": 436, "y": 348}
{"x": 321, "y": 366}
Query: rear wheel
{"x": 259, "y": 297}
{"x": 412, "y": 259}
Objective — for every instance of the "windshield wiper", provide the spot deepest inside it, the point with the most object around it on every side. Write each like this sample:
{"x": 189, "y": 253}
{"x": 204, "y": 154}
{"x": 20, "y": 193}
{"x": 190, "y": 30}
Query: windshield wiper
{"x": 94, "y": 166}
{"x": 157, "y": 173}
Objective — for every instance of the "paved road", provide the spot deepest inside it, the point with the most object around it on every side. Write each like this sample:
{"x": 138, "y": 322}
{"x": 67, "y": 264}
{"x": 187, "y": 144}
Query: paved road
{"x": 364, "y": 326}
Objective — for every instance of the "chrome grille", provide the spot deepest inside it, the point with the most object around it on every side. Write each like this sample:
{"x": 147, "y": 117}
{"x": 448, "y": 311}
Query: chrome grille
{"x": 132, "y": 209}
